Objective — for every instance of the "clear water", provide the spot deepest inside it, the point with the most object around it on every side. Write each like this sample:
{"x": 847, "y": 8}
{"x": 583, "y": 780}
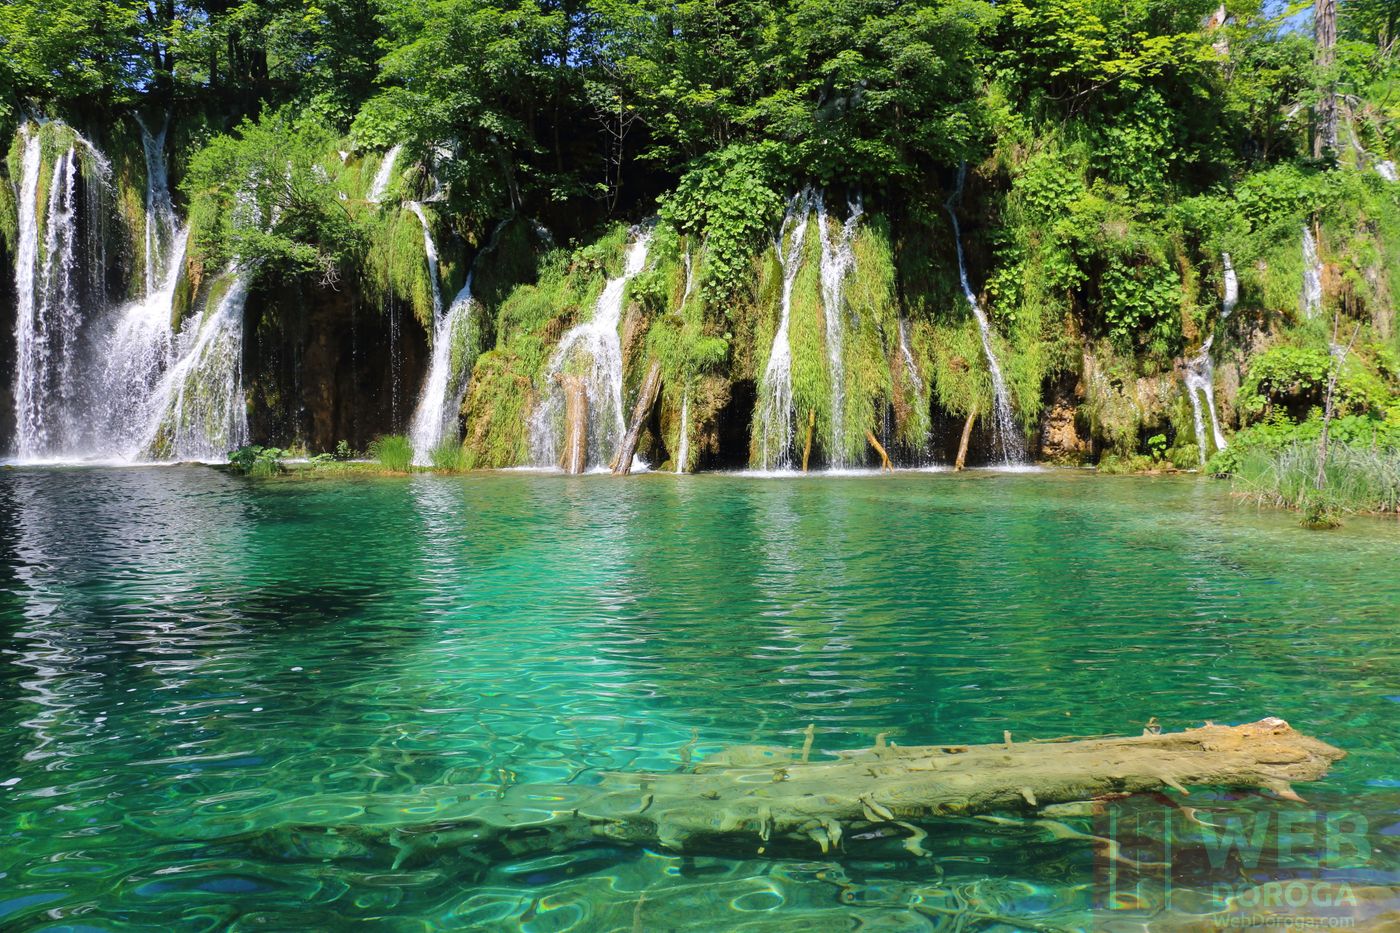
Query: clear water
{"x": 188, "y": 659}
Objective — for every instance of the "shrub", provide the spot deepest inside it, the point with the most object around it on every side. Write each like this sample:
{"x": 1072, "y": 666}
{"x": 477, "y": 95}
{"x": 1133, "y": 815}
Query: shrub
{"x": 393, "y": 452}
{"x": 253, "y": 460}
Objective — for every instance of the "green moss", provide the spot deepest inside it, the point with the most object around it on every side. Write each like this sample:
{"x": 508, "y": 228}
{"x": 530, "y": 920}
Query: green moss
{"x": 496, "y": 411}
{"x": 870, "y": 349}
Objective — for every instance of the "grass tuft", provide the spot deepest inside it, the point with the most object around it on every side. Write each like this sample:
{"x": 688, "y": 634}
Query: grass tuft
{"x": 393, "y": 452}
{"x": 1358, "y": 479}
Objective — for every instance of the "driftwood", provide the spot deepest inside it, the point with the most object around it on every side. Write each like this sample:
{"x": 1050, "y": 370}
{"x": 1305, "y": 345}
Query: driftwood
{"x": 574, "y": 458}
{"x": 807, "y": 448}
{"x": 646, "y": 401}
{"x": 966, "y": 436}
{"x": 885, "y": 463}
{"x": 757, "y": 799}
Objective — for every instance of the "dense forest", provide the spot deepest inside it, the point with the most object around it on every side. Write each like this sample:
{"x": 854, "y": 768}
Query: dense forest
{"x": 1126, "y": 232}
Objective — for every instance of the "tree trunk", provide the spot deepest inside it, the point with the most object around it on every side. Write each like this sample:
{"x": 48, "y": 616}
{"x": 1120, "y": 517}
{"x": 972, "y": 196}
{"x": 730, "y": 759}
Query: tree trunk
{"x": 962, "y": 443}
{"x": 752, "y": 798}
{"x": 575, "y": 454}
{"x": 1325, "y": 31}
{"x": 879, "y": 449}
{"x": 646, "y": 401}
{"x": 807, "y": 448}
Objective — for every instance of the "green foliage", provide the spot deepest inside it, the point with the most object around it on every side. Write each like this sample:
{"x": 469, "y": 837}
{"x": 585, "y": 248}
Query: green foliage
{"x": 393, "y": 452}
{"x": 266, "y": 198}
{"x": 1356, "y": 479}
{"x": 253, "y": 460}
{"x": 1278, "y": 434}
{"x": 728, "y": 199}
{"x": 1292, "y": 377}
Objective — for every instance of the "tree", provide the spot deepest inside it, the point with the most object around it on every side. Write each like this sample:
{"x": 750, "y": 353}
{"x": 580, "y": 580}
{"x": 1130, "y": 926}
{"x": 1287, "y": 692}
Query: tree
{"x": 1325, "y": 33}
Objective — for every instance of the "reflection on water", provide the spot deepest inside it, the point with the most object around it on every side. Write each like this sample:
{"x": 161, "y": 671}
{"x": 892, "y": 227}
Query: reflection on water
{"x": 189, "y": 657}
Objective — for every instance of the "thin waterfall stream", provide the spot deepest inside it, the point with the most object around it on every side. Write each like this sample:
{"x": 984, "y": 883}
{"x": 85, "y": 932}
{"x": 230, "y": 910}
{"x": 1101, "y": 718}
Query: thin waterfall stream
{"x": 775, "y": 388}
{"x": 1005, "y": 435}
{"x": 591, "y": 349}
{"x": 838, "y": 259}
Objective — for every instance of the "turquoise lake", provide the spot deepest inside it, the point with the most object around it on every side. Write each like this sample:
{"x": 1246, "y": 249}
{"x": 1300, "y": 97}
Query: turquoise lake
{"x": 186, "y": 655}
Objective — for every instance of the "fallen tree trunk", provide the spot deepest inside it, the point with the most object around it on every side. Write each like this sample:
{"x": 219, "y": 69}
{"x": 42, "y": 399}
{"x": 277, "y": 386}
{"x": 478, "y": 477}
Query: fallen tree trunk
{"x": 574, "y": 458}
{"x": 646, "y": 401}
{"x": 752, "y": 798}
{"x": 962, "y": 443}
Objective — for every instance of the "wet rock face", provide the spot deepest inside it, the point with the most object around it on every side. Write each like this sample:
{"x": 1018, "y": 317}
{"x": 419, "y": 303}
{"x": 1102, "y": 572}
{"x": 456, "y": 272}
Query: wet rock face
{"x": 322, "y": 367}
{"x": 1060, "y": 440}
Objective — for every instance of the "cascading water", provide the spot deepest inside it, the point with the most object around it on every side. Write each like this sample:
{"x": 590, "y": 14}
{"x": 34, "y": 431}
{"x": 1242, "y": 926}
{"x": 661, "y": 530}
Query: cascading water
{"x": 593, "y": 347}
{"x": 436, "y": 411}
{"x": 1312, "y": 275}
{"x": 689, "y": 276}
{"x": 1232, "y": 288}
{"x": 1200, "y": 385}
{"x": 26, "y": 269}
{"x": 139, "y": 349}
{"x": 383, "y": 175}
{"x": 140, "y": 345}
{"x": 49, "y": 400}
{"x": 1200, "y": 370}
{"x": 1387, "y": 170}
{"x": 775, "y": 389}
{"x": 683, "y": 451}
{"x": 1005, "y": 434}
{"x": 837, "y": 261}
{"x": 162, "y": 227}
{"x": 199, "y": 400}
{"x": 95, "y": 380}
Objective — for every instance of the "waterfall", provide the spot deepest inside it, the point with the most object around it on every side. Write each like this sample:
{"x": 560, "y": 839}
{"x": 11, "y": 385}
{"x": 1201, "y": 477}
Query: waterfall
{"x": 381, "y": 177}
{"x": 837, "y": 261}
{"x": 1200, "y": 370}
{"x": 907, "y": 355}
{"x": 689, "y": 277}
{"x": 200, "y": 413}
{"x": 441, "y": 397}
{"x": 47, "y": 396}
{"x": 1312, "y": 275}
{"x": 1200, "y": 383}
{"x": 138, "y": 350}
{"x": 162, "y": 228}
{"x": 26, "y": 263}
{"x": 683, "y": 455}
{"x": 775, "y": 389}
{"x": 1386, "y": 169}
{"x": 1003, "y": 422}
{"x": 593, "y": 346}
{"x": 430, "y": 250}
{"x": 1232, "y": 288}
{"x": 140, "y": 344}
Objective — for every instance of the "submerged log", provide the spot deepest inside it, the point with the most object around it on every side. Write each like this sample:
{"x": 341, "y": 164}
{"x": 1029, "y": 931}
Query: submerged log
{"x": 885, "y": 463}
{"x": 646, "y": 401}
{"x": 574, "y": 458}
{"x": 962, "y": 444}
{"x": 753, "y": 798}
